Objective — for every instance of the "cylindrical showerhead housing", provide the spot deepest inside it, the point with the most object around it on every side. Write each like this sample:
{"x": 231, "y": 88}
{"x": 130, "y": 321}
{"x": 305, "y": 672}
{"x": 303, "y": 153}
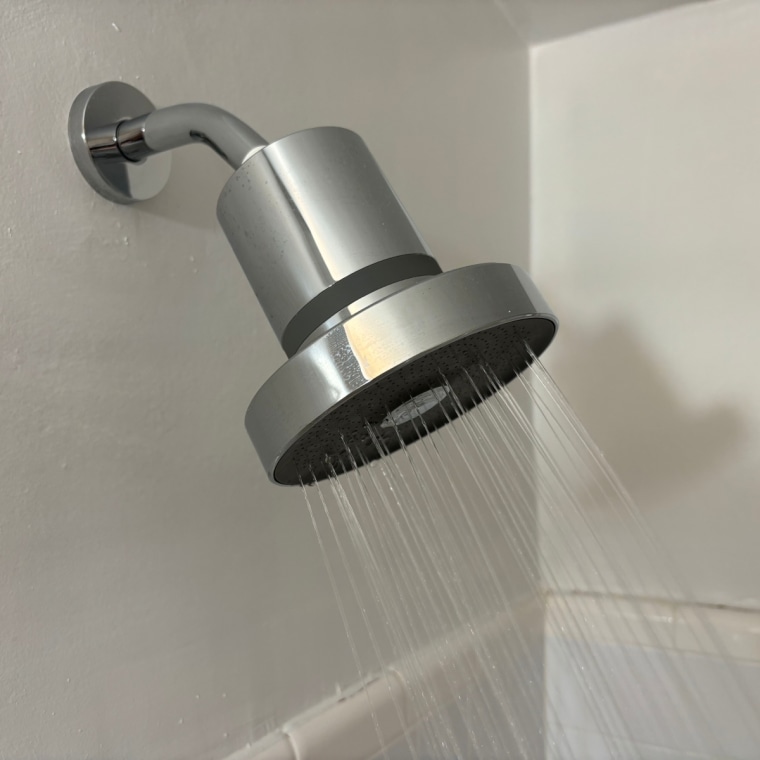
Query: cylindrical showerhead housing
{"x": 318, "y": 230}
{"x": 369, "y": 322}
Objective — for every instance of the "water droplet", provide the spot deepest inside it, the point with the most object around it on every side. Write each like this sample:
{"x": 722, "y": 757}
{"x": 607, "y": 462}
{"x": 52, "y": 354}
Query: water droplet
{"x": 197, "y": 696}
{"x": 18, "y": 152}
{"x": 137, "y": 76}
{"x": 192, "y": 258}
{"x": 224, "y": 695}
{"x": 79, "y": 730}
{"x": 180, "y": 721}
{"x": 116, "y": 27}
{"x": 125, "y": 240}
{"x": 224, "y": 735}
{"x": 68, "y": 680}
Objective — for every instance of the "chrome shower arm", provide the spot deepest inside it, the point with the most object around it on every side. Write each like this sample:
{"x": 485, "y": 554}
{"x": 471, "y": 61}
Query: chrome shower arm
{"x": 174, "y": 126}
{"x": 114, "y": 128}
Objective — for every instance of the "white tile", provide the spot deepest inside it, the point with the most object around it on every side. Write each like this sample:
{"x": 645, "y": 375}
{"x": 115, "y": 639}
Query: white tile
{"x": 718, "y": 631}
{"x": 276, "y": 747}
{"x": 590, "y": 745}
{"x": 628, "y": 691}
{"x": 727, "y": 699}
{"x": 282, "y": 750}
{"x": 618, "y": 620}
{"x": 574, "y": 744}
{"x": 348, "y": 729}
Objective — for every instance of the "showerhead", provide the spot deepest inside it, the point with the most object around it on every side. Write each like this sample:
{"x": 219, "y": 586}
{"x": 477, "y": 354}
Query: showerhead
{"x": 383, "y": 346}
{"x": 397, "y": 370}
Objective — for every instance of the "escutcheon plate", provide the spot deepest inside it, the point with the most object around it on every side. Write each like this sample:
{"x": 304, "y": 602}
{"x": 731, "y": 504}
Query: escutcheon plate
{"x": 116, "y": 179}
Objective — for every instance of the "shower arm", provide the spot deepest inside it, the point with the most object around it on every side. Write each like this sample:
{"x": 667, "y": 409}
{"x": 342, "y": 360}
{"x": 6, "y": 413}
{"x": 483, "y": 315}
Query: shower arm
{"x": 167, "y": 128}
{"x": 121, "y": 141}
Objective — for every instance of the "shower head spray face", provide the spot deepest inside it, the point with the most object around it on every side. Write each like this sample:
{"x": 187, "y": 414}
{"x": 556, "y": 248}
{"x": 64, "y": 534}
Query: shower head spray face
{"x": 383, "y": 347}
{"x": 397, "y": 370}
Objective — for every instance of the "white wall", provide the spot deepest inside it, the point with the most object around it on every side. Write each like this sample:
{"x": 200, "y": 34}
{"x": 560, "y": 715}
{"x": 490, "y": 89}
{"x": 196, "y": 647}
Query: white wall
{"x": 646, "y": 180}
{"x": 646, "y": 185}
{"x": 158, "y": 597}
{"x": 543, "y": 20}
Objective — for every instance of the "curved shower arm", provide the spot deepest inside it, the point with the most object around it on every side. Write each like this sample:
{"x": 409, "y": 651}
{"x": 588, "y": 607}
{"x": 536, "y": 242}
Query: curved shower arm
{"x": 174, "y": 126}
{"x": 114, "y": 128}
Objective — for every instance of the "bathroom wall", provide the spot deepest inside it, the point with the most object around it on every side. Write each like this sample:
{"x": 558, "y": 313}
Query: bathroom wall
{"x": 158, "y": 597}
{"x": 646, "y": 171}
{"x": 543, "y": 20}
{"x": 646, "y": 179}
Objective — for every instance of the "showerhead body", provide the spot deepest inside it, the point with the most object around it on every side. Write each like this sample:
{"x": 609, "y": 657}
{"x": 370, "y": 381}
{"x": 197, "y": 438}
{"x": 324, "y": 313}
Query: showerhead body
{"x": 383, "y": 346}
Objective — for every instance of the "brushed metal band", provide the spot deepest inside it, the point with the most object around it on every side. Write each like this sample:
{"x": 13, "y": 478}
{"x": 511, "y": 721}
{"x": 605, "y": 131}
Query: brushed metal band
{"x": 352, "y": 288}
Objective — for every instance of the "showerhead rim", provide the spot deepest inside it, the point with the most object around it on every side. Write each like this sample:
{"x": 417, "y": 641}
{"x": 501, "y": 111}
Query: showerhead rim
{"x": 381, "y": 340}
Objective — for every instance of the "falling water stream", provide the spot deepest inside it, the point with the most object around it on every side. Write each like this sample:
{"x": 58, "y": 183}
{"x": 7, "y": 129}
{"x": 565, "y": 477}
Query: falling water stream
{"x": 447, "y": 557}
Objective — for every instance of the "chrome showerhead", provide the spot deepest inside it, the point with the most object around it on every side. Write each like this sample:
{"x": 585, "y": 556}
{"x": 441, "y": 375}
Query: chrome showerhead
{"x": 397, "y": 370}
{"x": 383, "y": 346}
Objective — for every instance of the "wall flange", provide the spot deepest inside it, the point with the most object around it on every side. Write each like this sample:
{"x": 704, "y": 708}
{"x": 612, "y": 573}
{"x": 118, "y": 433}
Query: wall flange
{"x": 114, "y": 128}
{"x": 93, "y": 119}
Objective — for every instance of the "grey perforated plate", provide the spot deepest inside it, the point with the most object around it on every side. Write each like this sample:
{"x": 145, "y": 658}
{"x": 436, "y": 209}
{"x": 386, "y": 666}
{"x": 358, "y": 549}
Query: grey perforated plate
{"x": 323, "y": 445}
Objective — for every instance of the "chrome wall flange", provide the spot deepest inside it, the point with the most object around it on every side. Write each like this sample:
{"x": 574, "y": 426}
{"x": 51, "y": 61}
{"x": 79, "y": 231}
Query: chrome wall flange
{"x": 93, "y": 123}
{"x": 114, "y": 128}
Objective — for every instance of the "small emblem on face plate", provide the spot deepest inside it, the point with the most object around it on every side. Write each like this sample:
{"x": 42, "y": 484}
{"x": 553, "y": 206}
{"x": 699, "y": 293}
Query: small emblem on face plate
{"x": 415, "y": 407}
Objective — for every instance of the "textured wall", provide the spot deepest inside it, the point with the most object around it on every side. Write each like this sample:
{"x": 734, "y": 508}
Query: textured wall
{"x": 158, "y": 597}
{"x": 646, "y": 179}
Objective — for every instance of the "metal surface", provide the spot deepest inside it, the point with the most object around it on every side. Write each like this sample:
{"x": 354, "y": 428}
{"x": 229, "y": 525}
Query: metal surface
{"x": 305, "y": 216}
{"x": 380, "y": 341}
{"x": 120, "y": 141}
{"x": 368, "y": 285}
{"x": 360, "y": 305}
{"x": 174, "y": 126}
{"x": 389, "y": 353}
{"x": 92, "y": 135}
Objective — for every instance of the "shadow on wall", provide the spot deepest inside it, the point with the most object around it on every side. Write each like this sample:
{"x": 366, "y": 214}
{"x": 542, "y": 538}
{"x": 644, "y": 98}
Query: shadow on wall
{"x": 190, "y": 197}
{"x": 635, "y": 414}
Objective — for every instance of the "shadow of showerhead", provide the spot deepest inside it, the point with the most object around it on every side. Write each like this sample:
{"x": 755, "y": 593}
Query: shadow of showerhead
{"x": 634, "y": 412}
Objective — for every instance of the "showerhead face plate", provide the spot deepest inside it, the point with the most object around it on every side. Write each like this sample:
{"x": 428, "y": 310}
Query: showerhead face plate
{"x": 397, "y": 370}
